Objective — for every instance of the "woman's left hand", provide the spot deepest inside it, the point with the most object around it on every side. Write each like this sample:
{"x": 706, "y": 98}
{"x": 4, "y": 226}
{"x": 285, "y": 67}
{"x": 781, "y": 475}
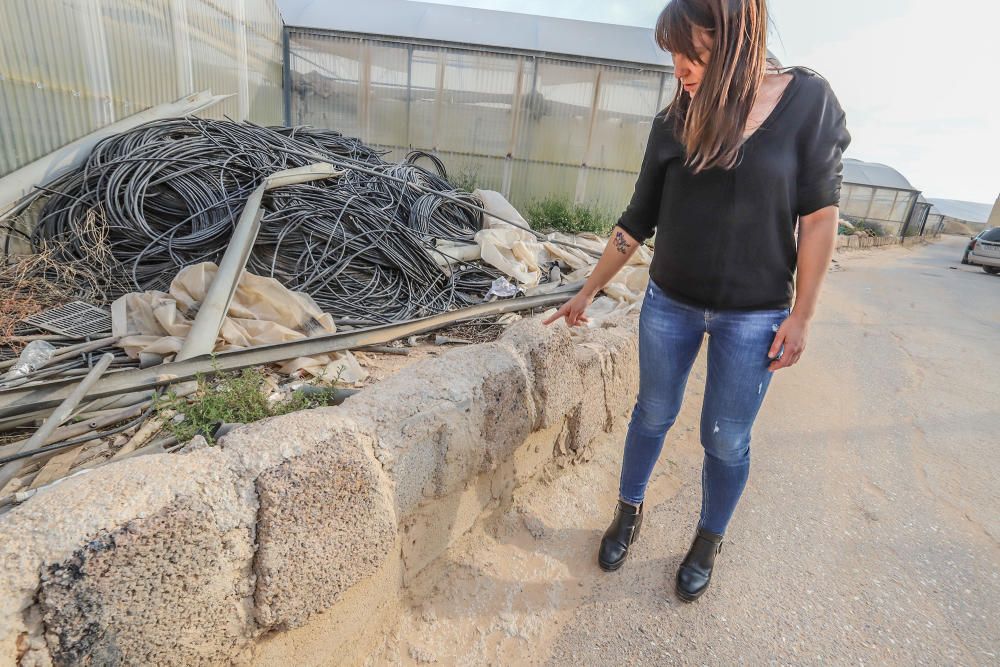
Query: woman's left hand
{"x": 792, "y": 336}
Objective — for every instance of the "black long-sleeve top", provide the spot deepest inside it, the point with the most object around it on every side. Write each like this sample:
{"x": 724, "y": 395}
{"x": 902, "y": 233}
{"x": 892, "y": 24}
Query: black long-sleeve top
{"x": 725, "y": 239}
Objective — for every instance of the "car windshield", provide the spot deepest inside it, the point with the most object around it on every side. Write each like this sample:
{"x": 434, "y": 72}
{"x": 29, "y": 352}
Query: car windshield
{"x": 991, "y": 234}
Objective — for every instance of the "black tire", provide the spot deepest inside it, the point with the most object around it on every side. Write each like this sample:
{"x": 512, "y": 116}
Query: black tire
{"x": 992, "y": 270}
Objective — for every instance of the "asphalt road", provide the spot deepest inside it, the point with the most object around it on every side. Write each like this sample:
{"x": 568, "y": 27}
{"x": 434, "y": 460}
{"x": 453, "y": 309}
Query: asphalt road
{"x": 869, "y": 533}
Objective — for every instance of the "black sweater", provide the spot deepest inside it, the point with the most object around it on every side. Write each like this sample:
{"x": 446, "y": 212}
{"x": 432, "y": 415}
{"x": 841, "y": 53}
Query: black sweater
{"x": 725, "y": 239}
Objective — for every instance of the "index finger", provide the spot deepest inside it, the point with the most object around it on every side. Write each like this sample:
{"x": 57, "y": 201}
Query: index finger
{"x": 555, "y": 316}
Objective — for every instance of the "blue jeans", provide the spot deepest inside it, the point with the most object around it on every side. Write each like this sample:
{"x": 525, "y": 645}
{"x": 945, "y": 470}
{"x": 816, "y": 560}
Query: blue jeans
{"x": 670, "y": 335}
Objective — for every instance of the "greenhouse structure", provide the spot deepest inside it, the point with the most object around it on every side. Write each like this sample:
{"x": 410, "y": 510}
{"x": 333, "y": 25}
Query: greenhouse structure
{"x": 75, "y": 66}
{"x": 877, "y": 193}
{"x": 534, "y": 107}
{"x": 530, "y": 106}
{"x": 973, "y": 215}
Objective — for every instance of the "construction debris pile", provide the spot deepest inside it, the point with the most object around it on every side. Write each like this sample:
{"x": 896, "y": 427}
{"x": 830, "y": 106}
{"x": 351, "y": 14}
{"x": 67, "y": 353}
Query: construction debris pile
{"x": 279, "y": 247}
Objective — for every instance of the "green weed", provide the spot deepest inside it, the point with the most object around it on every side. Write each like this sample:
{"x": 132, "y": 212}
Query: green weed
{"x": 560, "y": 215}
{"x": 465, "y": 180}
{"x": 236, "y": 398}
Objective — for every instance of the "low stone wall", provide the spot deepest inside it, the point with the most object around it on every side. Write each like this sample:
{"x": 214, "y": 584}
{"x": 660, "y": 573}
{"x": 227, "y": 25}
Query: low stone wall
{"x": 306, "y": 522}
{"x": 864, "y": 242}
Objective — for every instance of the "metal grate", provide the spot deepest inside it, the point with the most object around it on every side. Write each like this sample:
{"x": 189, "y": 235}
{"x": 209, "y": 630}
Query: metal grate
{"x": 76, "y": 319}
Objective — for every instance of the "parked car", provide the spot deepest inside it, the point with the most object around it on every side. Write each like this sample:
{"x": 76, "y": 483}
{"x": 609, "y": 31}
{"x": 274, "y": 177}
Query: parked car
{"x": 984, "y": 250}
{"x": 968, "y": 248}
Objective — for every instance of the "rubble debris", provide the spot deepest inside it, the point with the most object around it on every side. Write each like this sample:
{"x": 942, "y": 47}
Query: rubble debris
{"x": 58, "y": 416}
{"x": 23, "y": 400}
{"x": 325, "y": 247}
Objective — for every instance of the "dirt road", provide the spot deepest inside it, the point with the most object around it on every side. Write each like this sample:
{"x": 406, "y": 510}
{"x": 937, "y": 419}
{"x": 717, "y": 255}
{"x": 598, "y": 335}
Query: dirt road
{"x": 869, "y": 533}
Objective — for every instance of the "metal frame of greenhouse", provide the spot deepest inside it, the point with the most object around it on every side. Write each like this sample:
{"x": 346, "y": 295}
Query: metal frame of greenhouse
{"x": 874, "y": 192}
{"x": 529, "y": 106}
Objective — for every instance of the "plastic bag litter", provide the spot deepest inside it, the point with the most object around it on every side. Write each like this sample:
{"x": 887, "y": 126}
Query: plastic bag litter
{"x": 501, "y": 288}
{"x": 34, "y": 355}
{"x": 262, "y": 312}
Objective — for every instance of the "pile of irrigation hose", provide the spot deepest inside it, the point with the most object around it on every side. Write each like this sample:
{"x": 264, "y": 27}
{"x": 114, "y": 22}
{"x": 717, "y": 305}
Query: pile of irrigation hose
{"x": 168, "y": 194}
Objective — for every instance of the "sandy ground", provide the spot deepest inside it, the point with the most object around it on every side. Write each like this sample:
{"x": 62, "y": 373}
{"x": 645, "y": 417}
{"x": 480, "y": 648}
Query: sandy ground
{"x": 869, "y": 533}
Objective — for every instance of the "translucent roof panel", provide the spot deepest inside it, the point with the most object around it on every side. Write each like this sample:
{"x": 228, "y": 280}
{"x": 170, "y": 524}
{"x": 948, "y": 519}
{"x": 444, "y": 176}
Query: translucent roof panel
{"x": 465, "y": 25}
{"x": 875, "y": 175}
{"x": 968, "y": 211}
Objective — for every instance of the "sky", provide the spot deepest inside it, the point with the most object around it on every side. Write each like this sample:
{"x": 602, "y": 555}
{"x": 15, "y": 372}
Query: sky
{"x": 919, "y": 79}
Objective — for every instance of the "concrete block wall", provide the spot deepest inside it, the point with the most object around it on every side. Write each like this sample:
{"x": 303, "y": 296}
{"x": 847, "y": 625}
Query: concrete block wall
{"x": 318, "y": 519}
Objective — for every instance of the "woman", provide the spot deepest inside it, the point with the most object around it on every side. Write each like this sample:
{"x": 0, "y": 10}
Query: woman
{"x": 743, "y": 153}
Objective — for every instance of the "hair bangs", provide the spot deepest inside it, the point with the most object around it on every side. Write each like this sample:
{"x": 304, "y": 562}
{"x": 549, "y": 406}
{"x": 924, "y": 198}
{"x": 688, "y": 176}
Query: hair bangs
{"x": 675, "y": 31}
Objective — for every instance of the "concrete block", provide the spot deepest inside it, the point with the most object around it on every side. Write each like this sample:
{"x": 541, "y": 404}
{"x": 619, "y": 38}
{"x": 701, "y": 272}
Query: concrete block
{"x": 549, "y": 357}
{"x": 590, "y": 416}
{"x": 325, "y": 523}
{"x": 353, "y": 627}
{"x": 148, "y": 559}
{"x": 254, "y": 448}
{"x": 442, "y": 421}
{"x": 169, "y": 589}
{"x": 618, "y": 346}
{"x": 316, "y": 516}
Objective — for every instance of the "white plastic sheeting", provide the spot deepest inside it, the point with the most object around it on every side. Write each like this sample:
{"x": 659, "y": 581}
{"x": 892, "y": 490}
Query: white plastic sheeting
{"x": 523, "y": 256}
{"x": 262, "y": 312}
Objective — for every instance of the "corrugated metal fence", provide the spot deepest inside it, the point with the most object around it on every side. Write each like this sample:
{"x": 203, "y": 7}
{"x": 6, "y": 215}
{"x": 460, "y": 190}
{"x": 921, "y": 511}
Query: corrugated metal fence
{"x": 525, "y": 124}
{"x": 69, "y": 67}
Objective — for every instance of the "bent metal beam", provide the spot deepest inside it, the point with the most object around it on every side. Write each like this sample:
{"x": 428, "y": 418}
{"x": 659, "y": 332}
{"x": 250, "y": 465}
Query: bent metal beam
{"x": 19, "y": 401}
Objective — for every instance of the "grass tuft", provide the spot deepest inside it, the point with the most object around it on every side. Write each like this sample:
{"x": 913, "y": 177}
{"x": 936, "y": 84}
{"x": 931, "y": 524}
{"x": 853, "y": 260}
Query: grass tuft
{"x": 560, "y": 215}
{"x": 237, "y": 398}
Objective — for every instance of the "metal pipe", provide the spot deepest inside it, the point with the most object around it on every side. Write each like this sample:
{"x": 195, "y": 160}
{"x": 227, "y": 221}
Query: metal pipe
{"x": 28, "y": 339}
{"x": 21, "y": 401}
{"x": 286, "y": 72}
{"x": 80, "y": 348}
{"x": 81, "y": 428}
{"x": 67, "y": 352}
{"x": 205, "y": 328}
{"x": 58, "y": 416}
{"x": 385, "y": 349}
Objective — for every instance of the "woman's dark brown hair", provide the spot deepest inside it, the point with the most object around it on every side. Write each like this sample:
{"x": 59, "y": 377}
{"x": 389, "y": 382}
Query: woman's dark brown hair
{"x": 711, "y": 124}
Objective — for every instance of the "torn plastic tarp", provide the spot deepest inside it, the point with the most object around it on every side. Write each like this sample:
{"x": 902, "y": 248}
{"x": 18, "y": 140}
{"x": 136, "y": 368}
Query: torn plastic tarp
{"x": 262, "y": 312}
{"x": 525, "y": 257}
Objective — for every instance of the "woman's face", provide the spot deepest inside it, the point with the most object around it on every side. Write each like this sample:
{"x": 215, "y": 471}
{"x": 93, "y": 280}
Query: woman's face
{"x": 690, "y": 72}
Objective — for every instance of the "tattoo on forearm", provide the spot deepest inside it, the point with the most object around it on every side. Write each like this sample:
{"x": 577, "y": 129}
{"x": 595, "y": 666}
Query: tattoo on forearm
{"x": 621, "y": 243}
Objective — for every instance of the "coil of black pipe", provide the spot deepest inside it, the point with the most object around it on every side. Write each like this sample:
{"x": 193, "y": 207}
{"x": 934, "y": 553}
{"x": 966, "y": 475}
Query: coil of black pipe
{"x": 364, "y": 245}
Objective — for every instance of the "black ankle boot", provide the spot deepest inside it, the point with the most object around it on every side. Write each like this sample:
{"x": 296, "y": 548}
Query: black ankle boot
{"x": 696, "y": 569}
{"x": 623, "y": 531}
